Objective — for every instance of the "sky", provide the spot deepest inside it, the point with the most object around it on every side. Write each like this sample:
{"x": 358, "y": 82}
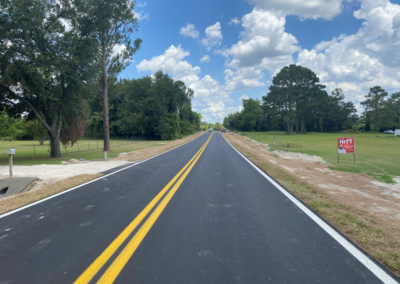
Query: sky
{"x": 229, "y": 50}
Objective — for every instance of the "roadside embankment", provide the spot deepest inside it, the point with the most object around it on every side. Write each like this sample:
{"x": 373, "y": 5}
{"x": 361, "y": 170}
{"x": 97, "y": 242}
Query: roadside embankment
{"x": 365, "y": 210}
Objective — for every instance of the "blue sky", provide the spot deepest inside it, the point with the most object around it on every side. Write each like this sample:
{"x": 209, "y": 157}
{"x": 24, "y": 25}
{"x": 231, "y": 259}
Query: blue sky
{"x": 348, "y": 44}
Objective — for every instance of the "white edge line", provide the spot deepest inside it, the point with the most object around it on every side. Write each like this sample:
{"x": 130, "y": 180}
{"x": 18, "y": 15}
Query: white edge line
{"x": 83, "y": 184}
{"x": 375, "y": 269}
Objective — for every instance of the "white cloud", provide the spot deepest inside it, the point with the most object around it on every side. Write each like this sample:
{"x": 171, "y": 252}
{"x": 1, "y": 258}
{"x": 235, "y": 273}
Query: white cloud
{"x": 264, "y": 45}
{"x": 235, "y": 21}
{"x": 213, "y": 36}
{"x": 209, "y": 97}
{"x": 365, "y": 59}
{"x": 141, "y": 16}
{"x": 205, "y": 58}
{"x": 171, "y": 62}
{"x": 118, "y": 49}
{"x": 244, "y": 97}
{"x": 189, "y": 31}
{"x": 313, "y": 9}
{"x": 141, "y": 4}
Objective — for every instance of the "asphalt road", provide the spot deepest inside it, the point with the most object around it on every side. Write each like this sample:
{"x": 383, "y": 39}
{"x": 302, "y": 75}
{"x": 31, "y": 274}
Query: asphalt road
{"x": 220, "y": 221}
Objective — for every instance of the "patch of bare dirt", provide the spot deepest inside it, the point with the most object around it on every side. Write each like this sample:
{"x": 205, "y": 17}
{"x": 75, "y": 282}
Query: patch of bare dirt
{"x": 379, "y": 201}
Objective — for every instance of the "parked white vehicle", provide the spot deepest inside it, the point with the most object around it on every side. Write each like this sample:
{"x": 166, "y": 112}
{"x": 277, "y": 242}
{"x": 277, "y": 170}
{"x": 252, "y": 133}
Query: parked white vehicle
{"x": 389, "y": 132}
{"x": 397, "y": 133}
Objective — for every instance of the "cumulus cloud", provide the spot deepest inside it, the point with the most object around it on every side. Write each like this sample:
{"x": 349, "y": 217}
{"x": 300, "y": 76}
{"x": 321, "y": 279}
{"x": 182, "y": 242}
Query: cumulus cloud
{"x": 244, "y": 97}
{"x": 264, "y": 45}
{"x": 210, "y": 97}
{"x": 189, "y": 31}
{"x": 312, "y": 9}
{"x": 213, "y": 36}
{"x": 205, "y": 58}
{"x": 365, "y": 59}
{"x": 235, "y": 21}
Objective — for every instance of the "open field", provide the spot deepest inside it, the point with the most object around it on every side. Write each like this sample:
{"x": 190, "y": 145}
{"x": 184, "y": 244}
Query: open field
{"x": 31, "y": 153}
{"x": 375, "y": 156}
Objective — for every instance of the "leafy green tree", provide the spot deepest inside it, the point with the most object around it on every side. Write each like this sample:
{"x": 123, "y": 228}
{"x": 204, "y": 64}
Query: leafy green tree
{"x": 45, "y": 54}
{"x": 375, "y": 100}
{"x": 163, "y": 129}
{"x": 37, "y": 130}
{"x": 112, "y": 22}
{"x": 294, "y": 93}
{"x": 251, "y": 114}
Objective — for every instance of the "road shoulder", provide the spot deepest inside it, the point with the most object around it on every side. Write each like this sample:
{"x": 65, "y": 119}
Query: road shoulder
{"x": 55, "y": 184}
{"x": 376, "y": 236}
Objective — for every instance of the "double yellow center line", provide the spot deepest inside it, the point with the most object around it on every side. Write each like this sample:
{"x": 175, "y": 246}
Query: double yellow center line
{"x": 118, "y": 264}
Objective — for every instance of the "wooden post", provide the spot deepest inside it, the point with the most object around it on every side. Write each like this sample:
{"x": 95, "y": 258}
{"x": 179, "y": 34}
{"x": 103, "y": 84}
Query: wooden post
{"x": 11, "y": 164}
{"x": 88, "y": 145}
{"x": 34, "y": 152}
{"x": 78, "y": 146}
{"x": 98, "y": 144}
{"x": 338, "y": 157}
{"x": 354, "y": 157}
{"x": 274, "y": 140}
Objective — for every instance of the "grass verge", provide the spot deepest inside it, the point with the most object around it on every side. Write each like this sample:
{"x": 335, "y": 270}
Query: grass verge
{"x": 381, "y": 243}
{"x": 25, "y": 198}
{"x": 375, "y": 155}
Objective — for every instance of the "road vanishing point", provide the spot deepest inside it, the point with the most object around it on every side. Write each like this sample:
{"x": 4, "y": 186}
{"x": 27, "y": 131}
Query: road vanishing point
{"x": 200, "y": 213}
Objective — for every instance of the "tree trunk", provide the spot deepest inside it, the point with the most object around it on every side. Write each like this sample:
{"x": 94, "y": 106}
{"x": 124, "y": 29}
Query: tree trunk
{"x": 302, "y": 126}
{"x": 55, "y": 151}
{"x": 322, "y": 124}
{"x": 287, "y": 124}
{"x": 106, "y": 126}
{"x": 297, "y": 125}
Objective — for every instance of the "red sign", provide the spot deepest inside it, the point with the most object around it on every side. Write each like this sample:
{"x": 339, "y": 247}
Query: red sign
{"x": 345, "y": 145}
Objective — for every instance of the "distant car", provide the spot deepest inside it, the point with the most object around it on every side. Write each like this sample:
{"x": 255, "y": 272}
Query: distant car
{"x": 210, "y": 129}
{"x": 389, "y": 132}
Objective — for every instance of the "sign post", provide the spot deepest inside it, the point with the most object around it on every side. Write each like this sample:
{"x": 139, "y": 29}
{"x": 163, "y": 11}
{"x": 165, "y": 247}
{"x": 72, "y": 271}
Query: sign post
{"x": 345, "y": 145}
{"x": 10, "y": 153}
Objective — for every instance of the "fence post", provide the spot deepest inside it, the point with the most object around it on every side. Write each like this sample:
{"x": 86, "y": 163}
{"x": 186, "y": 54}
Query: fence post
{"x": 88, "y": 145}
{"x": 78, "y": 146}
{"x": 34, "y": 151}
{"x": 97, "y": 145}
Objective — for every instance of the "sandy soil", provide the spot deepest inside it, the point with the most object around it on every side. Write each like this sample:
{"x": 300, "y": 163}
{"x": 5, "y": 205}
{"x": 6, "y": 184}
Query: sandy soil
{"x": 49, "y": 174}
{"x": 380, "y": 201}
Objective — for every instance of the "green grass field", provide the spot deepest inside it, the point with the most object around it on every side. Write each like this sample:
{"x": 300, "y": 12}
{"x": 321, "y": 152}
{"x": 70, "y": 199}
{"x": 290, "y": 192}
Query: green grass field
{"x": 375, "y": 156}
{"x": 27, "y": 154}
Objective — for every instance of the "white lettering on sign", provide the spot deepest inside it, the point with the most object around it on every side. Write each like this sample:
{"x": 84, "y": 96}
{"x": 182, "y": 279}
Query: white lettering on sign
{"x": 346, "y": 141}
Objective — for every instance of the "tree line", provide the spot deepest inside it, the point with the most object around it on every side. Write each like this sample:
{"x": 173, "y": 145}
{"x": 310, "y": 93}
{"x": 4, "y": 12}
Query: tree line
{"x": 297, "y": 102}
{"x": 156, "y": 107}
{"x": 59, "y": 62}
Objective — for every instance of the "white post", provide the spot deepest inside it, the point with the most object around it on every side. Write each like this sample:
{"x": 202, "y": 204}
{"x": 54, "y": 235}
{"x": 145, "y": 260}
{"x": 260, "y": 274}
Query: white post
{"x": 10, "y": 153}
{"x": 105, "y": 155}
{"x": 11, "y": 164}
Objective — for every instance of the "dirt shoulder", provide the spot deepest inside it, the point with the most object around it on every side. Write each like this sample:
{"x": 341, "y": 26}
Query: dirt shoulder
{"x": 56, "y": 178}
{"x": 147, "y": 153}
{"x": 363, "y": 209}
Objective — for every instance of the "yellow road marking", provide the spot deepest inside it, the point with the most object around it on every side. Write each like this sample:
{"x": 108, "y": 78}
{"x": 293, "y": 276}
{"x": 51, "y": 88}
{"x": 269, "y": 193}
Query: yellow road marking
{"x": 119, "y": 263}
{"x": 91, "y": 271}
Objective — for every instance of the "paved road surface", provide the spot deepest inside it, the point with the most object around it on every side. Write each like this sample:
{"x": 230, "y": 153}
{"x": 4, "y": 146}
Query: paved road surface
{"x": 220, "y": 221}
